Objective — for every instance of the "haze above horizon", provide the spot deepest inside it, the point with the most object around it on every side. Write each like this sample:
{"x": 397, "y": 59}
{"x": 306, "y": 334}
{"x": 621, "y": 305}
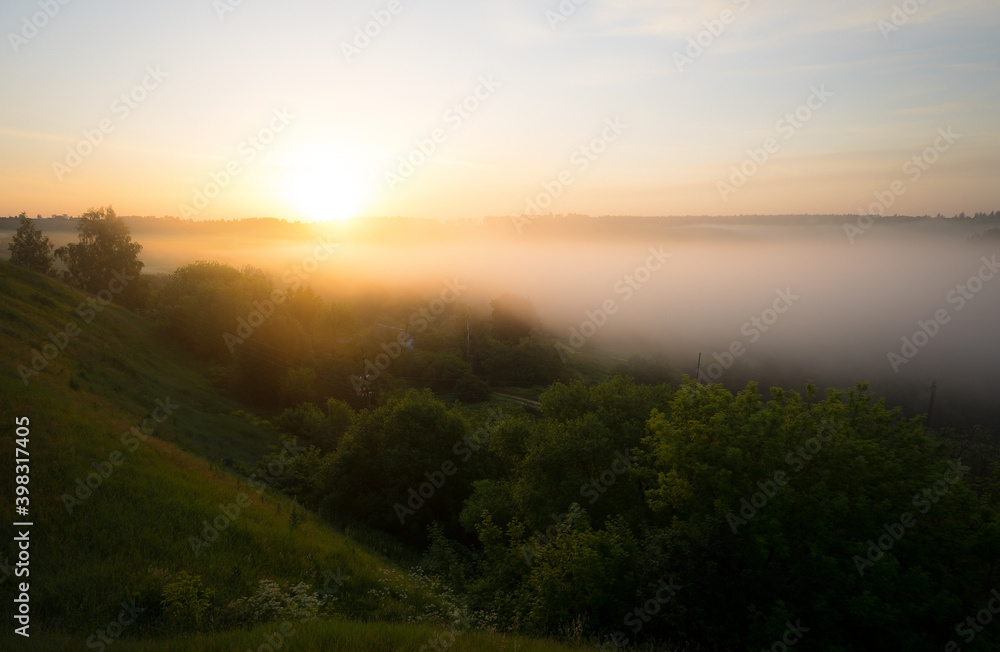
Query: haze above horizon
{"x": 226, "y": 109}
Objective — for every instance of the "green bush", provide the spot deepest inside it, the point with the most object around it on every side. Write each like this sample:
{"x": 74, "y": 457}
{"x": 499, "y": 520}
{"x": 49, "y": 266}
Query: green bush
{"x": 186, "y": 601}
{"x": 275, "y": 602}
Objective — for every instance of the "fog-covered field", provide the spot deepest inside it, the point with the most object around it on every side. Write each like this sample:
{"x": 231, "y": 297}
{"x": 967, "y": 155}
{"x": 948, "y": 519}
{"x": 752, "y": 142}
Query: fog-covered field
{"x": 900, "y": 304}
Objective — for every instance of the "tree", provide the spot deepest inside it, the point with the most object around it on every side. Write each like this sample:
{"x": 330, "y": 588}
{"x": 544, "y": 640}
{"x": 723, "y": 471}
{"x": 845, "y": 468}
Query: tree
{"x": 304, "y": 422}
{"x": 835, "y": 513}
{"x": 646, "y": 371}
{"x": 781, "y": 502}
{"x": 105, "y": 258}
{"x": 339, "y": 417}
{"x": 298, "y": 386}
{"x": 29, "y": 248}
{"x": 513, "y": 317}
{"x": 202, "y": 305}
{"x": 264, "y": 359}
{"x": 395, "y": 469}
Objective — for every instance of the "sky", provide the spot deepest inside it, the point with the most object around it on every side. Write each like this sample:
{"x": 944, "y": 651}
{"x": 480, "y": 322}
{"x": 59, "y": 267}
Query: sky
{"x": 306, "y": 110}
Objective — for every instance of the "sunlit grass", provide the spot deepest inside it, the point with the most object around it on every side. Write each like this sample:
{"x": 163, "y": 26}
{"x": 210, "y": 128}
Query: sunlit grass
{"x": 132, "y": 532}
{"x": 332, "y": 636}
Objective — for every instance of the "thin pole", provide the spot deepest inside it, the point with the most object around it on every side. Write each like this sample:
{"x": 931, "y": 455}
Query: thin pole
{"x": 366, "y": 390}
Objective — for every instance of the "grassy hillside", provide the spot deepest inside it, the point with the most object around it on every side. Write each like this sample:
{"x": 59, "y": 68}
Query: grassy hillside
{"x": 338, "y": 635}
{"x": 144, "y": 518}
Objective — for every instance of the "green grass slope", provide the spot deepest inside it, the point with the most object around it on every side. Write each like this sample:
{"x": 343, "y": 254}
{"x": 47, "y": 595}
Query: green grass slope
{"x": 335, "y": 635}
{"x": 129, "y": 533}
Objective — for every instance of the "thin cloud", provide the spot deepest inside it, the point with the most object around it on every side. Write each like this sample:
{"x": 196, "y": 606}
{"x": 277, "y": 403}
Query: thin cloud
{"x": 780, "y": 21}
{"x": 36, "y": 135}
{"x": 952, "y": 107}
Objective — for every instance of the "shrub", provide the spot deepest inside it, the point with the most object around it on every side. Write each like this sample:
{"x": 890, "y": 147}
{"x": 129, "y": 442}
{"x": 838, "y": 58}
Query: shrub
{"x": 272, "y": 602}
{"x": 186, "y": 600}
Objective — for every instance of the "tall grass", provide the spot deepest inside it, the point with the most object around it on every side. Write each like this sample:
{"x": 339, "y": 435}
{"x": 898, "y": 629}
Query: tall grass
{"x": 131, "y": 534}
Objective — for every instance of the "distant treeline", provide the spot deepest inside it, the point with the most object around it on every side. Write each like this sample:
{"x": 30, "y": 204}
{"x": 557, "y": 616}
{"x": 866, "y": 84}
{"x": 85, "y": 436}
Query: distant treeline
{"x": 406, "y": 230}
{"x": 583, "y": 225}
{"x": 257, "y": 226}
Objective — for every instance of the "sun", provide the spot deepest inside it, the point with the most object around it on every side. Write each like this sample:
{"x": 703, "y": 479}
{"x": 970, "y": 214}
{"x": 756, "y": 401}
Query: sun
{"x": 324, "y": 184}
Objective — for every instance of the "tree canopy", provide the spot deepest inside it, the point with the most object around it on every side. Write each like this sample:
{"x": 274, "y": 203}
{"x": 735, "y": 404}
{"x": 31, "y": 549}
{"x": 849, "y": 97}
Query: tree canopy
{"x": 29, "y": 248}
{"x": 513, "y": 317}
{"x": 836, "y": 512}
{"x": 105, "y": 258}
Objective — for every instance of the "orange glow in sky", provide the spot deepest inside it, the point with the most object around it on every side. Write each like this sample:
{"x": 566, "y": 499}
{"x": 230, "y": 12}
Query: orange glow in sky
{"x": 473, "y": 109}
